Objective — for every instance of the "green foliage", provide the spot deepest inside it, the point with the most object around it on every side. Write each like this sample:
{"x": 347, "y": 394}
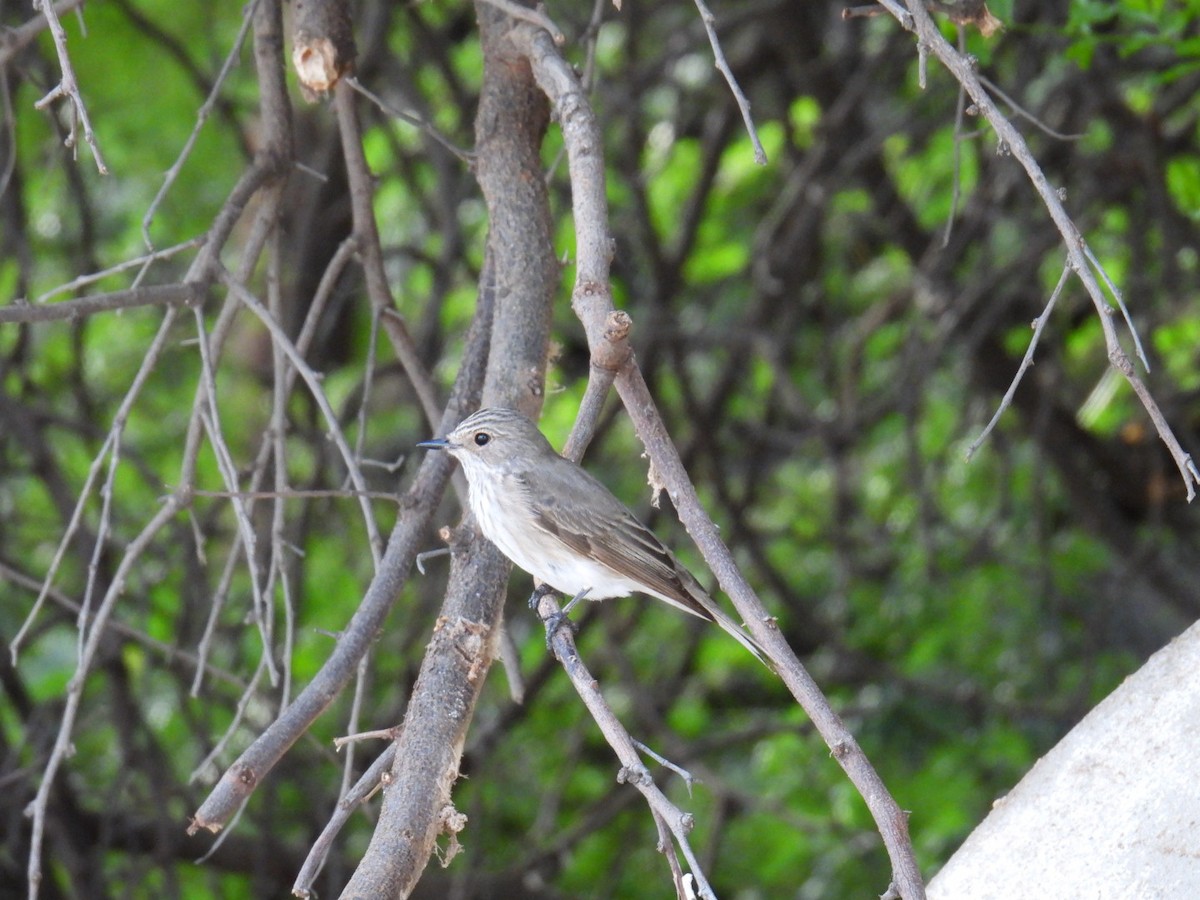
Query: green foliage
{"x": 924, "y": 181}
{"x": 1136, "y": 26}
{"x": 1183, "y": 181}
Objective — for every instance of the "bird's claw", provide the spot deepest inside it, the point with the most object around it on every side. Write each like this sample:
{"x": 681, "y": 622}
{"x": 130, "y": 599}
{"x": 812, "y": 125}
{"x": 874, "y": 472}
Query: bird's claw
{"x": 554, "y": 622}
{"x": 538, "y": 593}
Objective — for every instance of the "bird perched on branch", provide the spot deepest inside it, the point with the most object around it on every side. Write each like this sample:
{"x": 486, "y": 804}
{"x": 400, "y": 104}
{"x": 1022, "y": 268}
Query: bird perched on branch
{"x": 562, "y": 526}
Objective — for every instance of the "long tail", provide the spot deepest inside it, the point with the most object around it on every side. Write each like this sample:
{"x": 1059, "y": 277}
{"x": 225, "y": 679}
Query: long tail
{"x": 685, "y": 592}
{"x": 738, "y": 633}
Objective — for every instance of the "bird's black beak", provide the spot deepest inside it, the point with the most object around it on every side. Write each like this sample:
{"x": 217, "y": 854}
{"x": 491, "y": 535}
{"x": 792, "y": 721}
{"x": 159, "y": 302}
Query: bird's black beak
{"x": 435, "y": 444}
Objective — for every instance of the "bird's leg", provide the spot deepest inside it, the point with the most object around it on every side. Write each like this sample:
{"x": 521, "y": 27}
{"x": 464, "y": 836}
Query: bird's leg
{"x": 555, "y": 621}
{"x": 539, "y": 592}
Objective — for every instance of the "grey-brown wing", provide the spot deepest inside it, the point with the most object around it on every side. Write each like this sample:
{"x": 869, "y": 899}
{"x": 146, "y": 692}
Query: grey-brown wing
{"x": 584, "y": 515}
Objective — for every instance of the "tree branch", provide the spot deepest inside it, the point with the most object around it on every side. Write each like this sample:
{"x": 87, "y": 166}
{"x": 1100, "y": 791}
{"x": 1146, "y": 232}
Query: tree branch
{"x": 190, "y": 294}
{"x": 418, "y": 506}
{"x": 1079, "y": 256}
{"x": 68, "y": 87}
{"x": 593, "y": 304}
{"x": 417, "y": 807}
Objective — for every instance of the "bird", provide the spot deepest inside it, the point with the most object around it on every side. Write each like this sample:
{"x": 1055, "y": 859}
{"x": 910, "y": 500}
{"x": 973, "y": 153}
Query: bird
{"x": 560, "y": 524}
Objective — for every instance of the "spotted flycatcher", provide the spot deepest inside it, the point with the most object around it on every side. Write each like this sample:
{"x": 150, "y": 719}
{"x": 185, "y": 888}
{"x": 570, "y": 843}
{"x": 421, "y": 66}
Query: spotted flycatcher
{"x": 561, "y": 525}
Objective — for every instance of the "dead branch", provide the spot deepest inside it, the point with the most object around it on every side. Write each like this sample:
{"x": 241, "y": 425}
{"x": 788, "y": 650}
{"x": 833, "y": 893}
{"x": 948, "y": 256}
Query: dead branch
{"x": 1079, "y": 256}
{"x": 159, "y": 295}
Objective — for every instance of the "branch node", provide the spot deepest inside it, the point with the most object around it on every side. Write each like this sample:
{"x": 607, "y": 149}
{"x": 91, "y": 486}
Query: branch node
{"x": 634, "y": 775}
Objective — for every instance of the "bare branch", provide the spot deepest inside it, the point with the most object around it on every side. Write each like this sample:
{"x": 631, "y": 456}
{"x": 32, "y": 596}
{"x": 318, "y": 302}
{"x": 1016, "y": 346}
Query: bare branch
{"x": 202, "y": 115}
{"x": 313, "y": 381}
{"x": 112, "y": 439}
{"x": 1038, "y": 325}
{"x": 351, "y": 800}
{"x": 593, "y": 304}
{"x": 210, "y": 415}
{"x": 419, "y": 504}
{"x": 256, "y": 762}
{"x": 68, "y": 87}
{"x": 1026, "y": 114}
{"x": 430, "y": 743}
{"x": 710, "y": 27}
{"x": 143, "y": 262}
{"x": 62, "y": 743}
{"x": 160, "y": 295}
{"x": 16, "y": 39}
{"x": 362, "y": 197}
{"x": 417, "y": 808}
{"x": 168, "y": 652}
{"x": 962, "y": 69}
{"x": 677, "y": 822}
{"x": 465, "y": 155}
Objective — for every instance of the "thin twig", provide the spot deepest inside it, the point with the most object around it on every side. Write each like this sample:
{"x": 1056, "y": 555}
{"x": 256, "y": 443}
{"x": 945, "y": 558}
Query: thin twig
{"x": 159, "y": 295}
{"x": 68, "y": 87}
{"x": 62, "y": 743}
{"x": 684, "y": 890}
{"x": 679, "y": 823}
{"x": 1025, "y": 114}
{"x": 956, "y": 176}
{"x": 221, "y": 838}
{"x": 144, "y": 263}
{"x": 116, "y": 430}
{"x": 351, "y": 800}
{"x": 298, "y": 494}
{"x": 264, "y": 226}
{"x": 308, "y": 333}
{"x": 688, "y": 779}
{"x": 210, "y": 416}
{"x": 73, "y": 525}
{"x": 710, "y": 27}
{"x": 280, "y": 567}
{"x": 313, "y": 381}
{"x": 591, "y": 36}
{"x": 366, "y": 229}
{"x": 17, "y": 38}
{"x": 358, "y": 698}
{"x": 10, "y": 132}
{"x": 201, "y": 117}
{"x": 863, "y": 12}
{"x": 201, "y": 771}
{"x": 430, "y": 554}
{"x": 169, "y": 652}
{"x": 214, "y": 611}
{"x": 465, "y": 155}
{"x": 1038, "y": 325}
{"x": 370, "y": 248}
{"x": 1079, "y": 257}
{"x": 1120, "y": 300}
{"x": 375, "y": 734}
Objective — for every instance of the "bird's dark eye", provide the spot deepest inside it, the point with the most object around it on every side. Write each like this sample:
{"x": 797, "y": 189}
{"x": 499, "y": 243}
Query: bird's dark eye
{"x": 482, "y": 437}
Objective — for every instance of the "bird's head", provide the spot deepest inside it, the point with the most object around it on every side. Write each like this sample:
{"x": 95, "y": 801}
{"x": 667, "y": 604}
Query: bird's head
{"x": 496, "y": 439}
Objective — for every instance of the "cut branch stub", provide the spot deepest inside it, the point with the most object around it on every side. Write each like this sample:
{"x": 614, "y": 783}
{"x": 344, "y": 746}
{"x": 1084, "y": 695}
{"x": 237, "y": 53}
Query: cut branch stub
{"x": 323, "y": 48}
{"x": 614, "y": 351}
